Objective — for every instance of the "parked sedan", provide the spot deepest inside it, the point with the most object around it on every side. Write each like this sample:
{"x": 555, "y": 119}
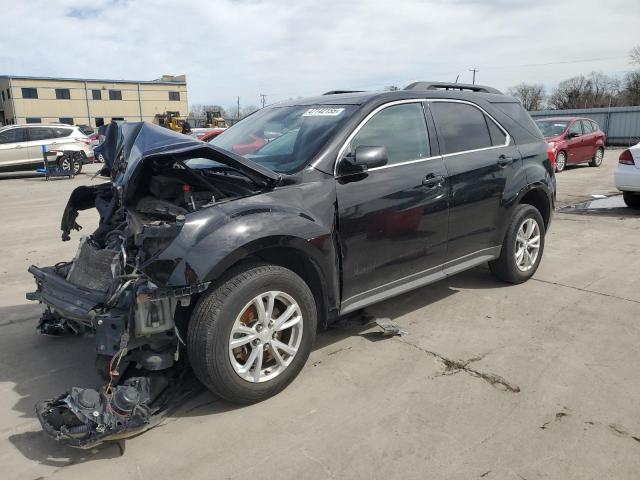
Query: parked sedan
{"x": 573, "y": 140}
{"x": 627, "y": 176}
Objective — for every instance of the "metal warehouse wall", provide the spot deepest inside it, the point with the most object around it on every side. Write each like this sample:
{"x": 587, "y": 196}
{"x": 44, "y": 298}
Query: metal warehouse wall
{"x": 621, "y": 124}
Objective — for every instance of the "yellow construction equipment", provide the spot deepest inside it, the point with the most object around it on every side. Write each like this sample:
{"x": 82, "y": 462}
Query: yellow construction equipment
{"x": 170, "y": 120}
{"x": 214, "y": 119}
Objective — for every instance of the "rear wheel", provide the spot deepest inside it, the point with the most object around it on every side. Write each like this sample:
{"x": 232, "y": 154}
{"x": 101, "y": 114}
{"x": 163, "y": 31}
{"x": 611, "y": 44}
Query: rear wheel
{"x": 596, "y": 161}
{"x": 250, "y": 336}
{"x": 561, "y": 161}
{"x": 632, "y": 199}
{"x": 522, "y": 246}
{"x": 71, "y": 161}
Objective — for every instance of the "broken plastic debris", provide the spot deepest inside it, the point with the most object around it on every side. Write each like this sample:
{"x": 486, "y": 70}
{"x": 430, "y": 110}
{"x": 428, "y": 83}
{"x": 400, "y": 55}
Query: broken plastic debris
{"x": 389, "y": 328}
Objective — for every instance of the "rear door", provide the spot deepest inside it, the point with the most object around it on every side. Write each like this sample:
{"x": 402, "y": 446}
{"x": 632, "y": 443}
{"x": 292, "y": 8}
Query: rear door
{"x": 575, "y": 145}
{"x": 589, "y": 139}
{"x": 393, "y": 218}
{"x": 13, "y": 147}
{"x": 482, "y": 164}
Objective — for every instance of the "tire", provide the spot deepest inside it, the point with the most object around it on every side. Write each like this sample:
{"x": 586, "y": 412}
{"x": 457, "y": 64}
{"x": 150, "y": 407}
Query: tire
{"x": 561, "y": 161}
{"x": 506, "y": 267}
{"x": 71, "y": 161}
{"x": 632, "y": 199}
{"x": 596, "y": 161}
{"x": 226, "y": 308}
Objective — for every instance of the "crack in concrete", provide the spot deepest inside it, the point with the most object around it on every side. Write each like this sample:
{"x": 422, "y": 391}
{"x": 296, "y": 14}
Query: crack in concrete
{"x": 558, "y": 418}
{"x": 454, "y": 366}
{"x": 584, "y": 290}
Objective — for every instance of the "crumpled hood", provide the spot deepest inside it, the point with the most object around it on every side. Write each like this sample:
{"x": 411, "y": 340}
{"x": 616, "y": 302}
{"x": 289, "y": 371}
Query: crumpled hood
{"x": 128, "y": 145}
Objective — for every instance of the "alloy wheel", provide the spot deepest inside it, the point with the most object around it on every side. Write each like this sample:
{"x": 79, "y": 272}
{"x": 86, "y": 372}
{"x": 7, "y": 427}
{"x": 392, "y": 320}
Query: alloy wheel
{"x": 265, "y": 336}
{"x": 598, "y": 157}
{"x": 561, "y": 161}
{"x": 527, "y": 244}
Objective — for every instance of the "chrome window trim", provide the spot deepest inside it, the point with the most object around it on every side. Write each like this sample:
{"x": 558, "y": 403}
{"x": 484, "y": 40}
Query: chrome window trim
{"x": 407, "y": 162}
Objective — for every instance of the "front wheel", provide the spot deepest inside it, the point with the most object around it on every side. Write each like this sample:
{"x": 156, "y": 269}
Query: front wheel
{"x": 251, "y": 334}
{"x": 561, "y": 161}
{"x": 596, "y": 161}
{"x": 522, "y": 246}
{"x": 632, "y": 199}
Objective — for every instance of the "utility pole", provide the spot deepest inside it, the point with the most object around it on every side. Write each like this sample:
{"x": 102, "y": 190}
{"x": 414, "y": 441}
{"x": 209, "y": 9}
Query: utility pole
{"x": 238, "y": 114}
{"x": 263, "y": 99}
{"x": 474, "y": 70}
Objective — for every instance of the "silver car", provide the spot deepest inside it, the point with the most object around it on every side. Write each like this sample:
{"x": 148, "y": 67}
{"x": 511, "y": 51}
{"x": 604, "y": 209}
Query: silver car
{"x": 21, "y": 146}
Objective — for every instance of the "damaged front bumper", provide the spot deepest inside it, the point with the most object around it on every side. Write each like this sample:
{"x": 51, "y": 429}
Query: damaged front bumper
{"x": 138, "y": 346}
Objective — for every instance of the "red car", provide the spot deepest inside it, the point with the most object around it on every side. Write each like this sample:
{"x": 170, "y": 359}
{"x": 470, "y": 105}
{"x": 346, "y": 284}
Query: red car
{"x": 573, "y": 140}
{"x": 209, "y": 133}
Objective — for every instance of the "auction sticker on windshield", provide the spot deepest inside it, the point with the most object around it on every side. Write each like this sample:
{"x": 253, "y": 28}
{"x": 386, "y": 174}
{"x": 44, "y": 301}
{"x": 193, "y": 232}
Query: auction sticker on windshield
{"x": 323, "y": 112}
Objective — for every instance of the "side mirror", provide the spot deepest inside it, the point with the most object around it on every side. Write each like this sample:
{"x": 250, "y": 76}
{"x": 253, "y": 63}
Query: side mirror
{"x": 364, "y": 158}
{"x": 573, "y": 135}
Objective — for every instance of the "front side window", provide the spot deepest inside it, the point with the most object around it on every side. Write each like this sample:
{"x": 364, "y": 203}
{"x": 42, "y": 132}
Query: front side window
{"x": 551, "y": 128}
{"x": 29, "y": 92}
{"x": 63, "y": 94}
{"x": 13, "y": 135}
{"x": 462, "y": 127}
{"x": 575, "y": 128}
{"x": 115, "y": 95}
{"x": 402, "y": 129}
{"x": 284, "y": 139}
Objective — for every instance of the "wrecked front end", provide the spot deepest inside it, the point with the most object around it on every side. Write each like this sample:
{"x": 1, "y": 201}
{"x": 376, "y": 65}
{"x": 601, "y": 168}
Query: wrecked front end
{"x": 116, "y": 288}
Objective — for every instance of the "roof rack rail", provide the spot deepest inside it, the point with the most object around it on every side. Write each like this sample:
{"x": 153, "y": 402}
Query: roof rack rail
{"x": 451, "y": 86}
{"x": 337, "y": 92}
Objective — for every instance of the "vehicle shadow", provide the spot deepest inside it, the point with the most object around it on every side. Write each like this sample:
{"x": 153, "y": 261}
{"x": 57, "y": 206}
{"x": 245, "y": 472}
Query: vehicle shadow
{"x": 39, "y": 367}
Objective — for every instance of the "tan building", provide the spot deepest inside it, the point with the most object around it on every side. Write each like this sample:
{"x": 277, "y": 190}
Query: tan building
{"x": 91, "y": 101}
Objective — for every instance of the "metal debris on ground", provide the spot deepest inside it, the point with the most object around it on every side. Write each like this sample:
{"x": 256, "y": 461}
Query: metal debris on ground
{"x": 389, "y": 328}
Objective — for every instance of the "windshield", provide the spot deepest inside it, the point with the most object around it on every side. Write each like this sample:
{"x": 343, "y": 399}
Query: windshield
{"x": 284, "y": 139}
{"x": 551, "y": 128}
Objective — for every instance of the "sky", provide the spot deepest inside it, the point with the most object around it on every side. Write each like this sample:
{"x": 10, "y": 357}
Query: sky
{"x": 290, "y": 48}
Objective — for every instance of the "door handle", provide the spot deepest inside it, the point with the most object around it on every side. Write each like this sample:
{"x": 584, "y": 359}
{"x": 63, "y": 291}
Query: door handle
{"x": 432, "y": 181}
{"x": 503, "y": 161}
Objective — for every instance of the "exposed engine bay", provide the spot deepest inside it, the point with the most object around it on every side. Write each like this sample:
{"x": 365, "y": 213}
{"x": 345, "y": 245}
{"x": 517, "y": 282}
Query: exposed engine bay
{"x": 105, "y": 291}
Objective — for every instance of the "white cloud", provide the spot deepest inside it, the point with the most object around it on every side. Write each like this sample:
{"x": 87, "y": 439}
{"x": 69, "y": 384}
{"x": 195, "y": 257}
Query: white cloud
{"x": 290, "y": 48}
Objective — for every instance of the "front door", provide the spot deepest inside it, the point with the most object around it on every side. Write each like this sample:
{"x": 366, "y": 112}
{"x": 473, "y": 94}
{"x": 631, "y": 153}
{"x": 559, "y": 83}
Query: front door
{"x": 481, "y": 163}
{"x": 576, "y": 151}
{"x": 13, "y": 147}
{"x": 392, "y": 219}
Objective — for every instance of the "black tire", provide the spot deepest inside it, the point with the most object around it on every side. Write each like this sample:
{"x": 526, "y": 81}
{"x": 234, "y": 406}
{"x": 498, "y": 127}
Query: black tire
{"x": 212, "y": 321}
{"x": 78, "y": 160}
{"x": 597, "y": 158}
{"x": 632, "y": 199}
{"x": 505, "y": 267}
{"x": 561, "y": 161}
{"x": 71, "y": 161}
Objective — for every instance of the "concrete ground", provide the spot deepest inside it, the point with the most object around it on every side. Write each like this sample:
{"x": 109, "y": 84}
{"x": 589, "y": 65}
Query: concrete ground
{"x": 492, "y": 381}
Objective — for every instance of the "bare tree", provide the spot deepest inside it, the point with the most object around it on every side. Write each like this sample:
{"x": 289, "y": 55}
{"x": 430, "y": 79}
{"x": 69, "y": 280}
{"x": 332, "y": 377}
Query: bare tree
{"x": 631, "y": 88}
{"x": 634, "y": 55}
{"x": 531, "y": 96}
{"x": 199, "y": 110}
{"x": 570, "y": 93}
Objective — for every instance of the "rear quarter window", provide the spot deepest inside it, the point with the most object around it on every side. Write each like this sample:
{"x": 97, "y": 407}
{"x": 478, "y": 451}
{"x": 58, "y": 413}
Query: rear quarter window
{"x": 519, "y": 115}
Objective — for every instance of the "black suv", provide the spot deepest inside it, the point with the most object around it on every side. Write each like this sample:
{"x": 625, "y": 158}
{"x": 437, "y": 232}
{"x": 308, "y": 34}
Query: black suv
{"x": 235, "y": 252}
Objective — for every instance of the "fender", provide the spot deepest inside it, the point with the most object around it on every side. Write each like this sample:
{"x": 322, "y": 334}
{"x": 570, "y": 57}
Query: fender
{"x": 214, "y": 239}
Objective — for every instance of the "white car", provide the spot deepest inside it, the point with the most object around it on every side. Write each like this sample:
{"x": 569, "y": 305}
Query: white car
{"x": 21, "y": 145}
{"x": 627, "y": 176}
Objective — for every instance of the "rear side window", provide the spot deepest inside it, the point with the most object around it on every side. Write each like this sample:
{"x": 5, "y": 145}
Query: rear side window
{"x": 13, "y": 135}
{"x": 461, "y": 126}
{"x": 586, "y": 126}
{"x": 498, "y": 137}
{"x": 595, "y": 126}
{"x": 519, "y": 115}
{"x": 59, "y": 132}
{"x": 40, "y": 133}
{"x": 402, "y": 129}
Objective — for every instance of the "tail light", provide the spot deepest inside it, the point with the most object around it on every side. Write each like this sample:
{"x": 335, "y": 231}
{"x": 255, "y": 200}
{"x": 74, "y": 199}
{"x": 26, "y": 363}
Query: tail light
{"x": 85, "y": 140}
{"x": 626, "y": 158}
{"x": 552, "y": 156}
